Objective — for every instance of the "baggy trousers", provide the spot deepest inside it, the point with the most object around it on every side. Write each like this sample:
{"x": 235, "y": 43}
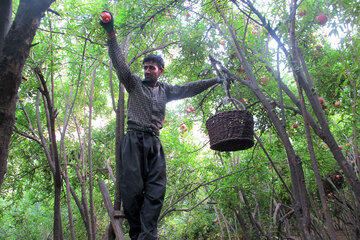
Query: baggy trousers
{"x": 142, "y": 182}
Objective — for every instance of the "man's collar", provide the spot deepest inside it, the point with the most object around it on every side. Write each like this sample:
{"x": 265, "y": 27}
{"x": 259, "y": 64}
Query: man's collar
{"x": 150, "y": 84}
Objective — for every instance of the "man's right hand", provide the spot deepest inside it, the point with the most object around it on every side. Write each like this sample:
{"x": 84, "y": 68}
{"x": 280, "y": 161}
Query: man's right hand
{"x": 219, "y": 80}
{"x": 109, "y": 26}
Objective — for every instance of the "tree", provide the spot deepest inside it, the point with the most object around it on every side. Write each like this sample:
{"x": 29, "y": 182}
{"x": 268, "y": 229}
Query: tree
{"x": 299, "y": 180}
{"x": 15, "y": 44}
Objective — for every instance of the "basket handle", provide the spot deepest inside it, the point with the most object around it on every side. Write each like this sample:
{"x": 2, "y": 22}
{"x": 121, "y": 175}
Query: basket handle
{"x": 227, "y": 99}
{"x": 226, "y": 84}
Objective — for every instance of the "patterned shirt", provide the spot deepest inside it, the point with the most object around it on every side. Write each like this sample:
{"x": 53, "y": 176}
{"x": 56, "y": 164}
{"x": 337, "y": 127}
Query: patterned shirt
{"x": 146, "y": 104}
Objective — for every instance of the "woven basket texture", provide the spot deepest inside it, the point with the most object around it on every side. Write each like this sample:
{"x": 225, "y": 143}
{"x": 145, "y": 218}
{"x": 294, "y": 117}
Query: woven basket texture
{"x": 231, "y": 130}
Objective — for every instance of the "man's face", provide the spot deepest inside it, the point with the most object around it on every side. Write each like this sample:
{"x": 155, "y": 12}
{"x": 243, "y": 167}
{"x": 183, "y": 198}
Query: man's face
{"x": 152, "y": 71}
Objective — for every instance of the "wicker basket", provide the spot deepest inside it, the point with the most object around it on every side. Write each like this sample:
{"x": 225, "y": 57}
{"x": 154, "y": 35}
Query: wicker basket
{"x": 231, "y": 130}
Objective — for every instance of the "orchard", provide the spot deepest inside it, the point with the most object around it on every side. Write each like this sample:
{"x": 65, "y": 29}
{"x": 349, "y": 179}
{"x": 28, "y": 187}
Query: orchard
{"x": 294, "y": 65}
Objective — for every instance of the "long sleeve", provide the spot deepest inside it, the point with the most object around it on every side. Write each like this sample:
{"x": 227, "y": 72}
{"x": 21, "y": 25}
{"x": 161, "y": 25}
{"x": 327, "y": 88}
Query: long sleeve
{"x": 174, "y": 92}
{"x": 122, "y": 69}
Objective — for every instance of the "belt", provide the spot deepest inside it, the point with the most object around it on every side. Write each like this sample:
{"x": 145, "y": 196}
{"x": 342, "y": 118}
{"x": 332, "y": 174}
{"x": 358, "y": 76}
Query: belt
{"x": 134, "y": 127}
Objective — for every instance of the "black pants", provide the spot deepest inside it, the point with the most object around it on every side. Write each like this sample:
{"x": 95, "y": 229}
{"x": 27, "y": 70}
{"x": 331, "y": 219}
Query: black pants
{"x": 142, "y": 182}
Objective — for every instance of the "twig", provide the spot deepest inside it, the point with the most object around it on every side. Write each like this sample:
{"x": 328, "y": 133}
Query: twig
{"x": 197, "y": 187}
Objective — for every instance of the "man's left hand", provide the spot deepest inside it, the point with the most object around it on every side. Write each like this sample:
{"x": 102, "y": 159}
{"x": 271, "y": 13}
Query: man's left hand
{"x": 221, "y": 80}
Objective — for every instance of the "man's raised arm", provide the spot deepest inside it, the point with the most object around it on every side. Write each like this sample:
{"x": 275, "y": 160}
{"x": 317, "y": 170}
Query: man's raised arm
{"x": 117, "y": 57}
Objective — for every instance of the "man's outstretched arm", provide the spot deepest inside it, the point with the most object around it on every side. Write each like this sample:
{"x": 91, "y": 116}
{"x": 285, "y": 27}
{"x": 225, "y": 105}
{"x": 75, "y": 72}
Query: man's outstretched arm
{"x": 190, "y": 89}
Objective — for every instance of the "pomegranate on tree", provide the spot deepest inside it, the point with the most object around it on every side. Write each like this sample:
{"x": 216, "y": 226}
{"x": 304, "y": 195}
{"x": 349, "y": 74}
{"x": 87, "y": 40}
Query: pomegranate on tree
{"x": 105, "y": 17}
{"x": 322, "y": 19}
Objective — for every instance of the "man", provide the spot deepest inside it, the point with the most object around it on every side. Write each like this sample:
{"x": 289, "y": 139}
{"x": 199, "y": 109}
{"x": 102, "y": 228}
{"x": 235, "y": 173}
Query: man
{"x": 142, "y": 159}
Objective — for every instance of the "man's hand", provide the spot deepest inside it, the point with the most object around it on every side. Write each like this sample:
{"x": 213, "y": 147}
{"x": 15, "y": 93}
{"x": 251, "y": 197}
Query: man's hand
{"x": 221, "y": 80}
{"x": 229, "y": 80}
{"x": 109, "y": 26}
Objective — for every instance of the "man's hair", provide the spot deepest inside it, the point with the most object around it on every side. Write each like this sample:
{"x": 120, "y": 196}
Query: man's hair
{"x": 156, "y": 59}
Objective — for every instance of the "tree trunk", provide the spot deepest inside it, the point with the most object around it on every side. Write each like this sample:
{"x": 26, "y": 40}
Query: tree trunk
{"x": 120, "y": 130}
{"x": 68, "y": 199}
{"x": 243, "y": 225}
{"x": 81, "y": 175}
{"x": 14, "y": 51}
{"x": 120, "y": 125}
{"x": 5, "y": 20}
{"x": 258, "y": 230}
{"x": 65, "y": 162}
{"x": 91, "y": 187}
{"x": 219, "y": 223}
{"x": 58, "y": 231}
